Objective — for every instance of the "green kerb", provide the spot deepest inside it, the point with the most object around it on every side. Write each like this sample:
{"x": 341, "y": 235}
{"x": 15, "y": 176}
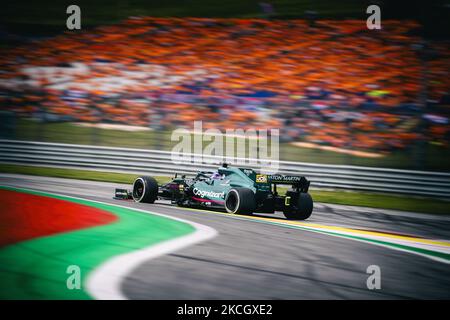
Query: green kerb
{"x": 36, "y": 269}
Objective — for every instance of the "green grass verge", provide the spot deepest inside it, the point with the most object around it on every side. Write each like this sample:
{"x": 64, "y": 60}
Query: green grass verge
{"x": 374, "y": 200}
{"x": 74, "y": 173}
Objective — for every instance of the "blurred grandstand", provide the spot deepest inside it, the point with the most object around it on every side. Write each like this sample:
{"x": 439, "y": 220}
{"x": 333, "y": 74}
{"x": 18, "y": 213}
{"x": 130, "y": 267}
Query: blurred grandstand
{"x": 330, "y": 83}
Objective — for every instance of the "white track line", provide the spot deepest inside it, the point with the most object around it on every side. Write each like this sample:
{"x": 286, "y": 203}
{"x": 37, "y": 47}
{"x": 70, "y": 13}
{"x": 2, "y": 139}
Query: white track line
{"x": 105, "y": 281}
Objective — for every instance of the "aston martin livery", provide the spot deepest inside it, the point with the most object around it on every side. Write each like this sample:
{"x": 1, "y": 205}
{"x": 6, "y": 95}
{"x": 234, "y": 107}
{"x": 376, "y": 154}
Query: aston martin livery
{"x": 235, "y": 190}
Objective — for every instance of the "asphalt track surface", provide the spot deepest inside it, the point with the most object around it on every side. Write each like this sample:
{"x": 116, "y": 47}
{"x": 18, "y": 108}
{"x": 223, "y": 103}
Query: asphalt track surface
{"x": 253, "y": 260}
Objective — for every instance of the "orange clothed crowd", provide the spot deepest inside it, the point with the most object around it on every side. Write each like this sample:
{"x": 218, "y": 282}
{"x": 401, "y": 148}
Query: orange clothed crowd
{"x": 332, "y": 83}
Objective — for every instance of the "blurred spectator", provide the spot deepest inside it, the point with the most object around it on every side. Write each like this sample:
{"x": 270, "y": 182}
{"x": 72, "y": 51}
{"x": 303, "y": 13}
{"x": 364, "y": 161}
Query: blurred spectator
{"x": 333, "y": 83}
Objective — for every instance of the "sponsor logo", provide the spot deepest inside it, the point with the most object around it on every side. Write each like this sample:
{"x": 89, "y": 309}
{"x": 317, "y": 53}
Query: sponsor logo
{"x": 209, "y": 194}
{"x": 287, "y": 201}
{"x": 261, "y": 178}
{"x": 277, "y": 177}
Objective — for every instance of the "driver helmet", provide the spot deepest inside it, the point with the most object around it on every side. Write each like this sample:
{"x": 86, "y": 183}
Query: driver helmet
{"x": 216, "y": 176}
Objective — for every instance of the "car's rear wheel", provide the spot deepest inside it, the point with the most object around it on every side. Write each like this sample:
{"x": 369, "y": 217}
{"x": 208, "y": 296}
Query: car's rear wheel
{"x": 301, "y": 207}
{"x": 145, "y": 189}
{"x": 240, "y": 201}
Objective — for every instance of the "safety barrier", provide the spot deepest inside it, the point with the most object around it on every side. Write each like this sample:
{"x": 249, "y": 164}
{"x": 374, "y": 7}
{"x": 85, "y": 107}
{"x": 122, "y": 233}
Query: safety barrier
{"x": 114, "y": 159}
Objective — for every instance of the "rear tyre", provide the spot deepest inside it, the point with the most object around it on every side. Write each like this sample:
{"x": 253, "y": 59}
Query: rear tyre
{"x": 301, "y": 209}
{"x": 145, "y": 189}
{"x": 240, "y": 201}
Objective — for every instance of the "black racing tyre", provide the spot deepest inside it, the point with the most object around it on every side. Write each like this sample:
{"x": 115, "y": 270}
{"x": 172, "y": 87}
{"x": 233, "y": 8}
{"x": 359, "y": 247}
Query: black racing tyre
{"x": 240, "y": 201}
{"x": 145, "y": 189}
{"x": 301, "y": 210}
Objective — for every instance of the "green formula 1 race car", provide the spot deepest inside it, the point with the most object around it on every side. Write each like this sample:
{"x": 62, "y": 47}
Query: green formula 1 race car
{"x": 236, "y": 190}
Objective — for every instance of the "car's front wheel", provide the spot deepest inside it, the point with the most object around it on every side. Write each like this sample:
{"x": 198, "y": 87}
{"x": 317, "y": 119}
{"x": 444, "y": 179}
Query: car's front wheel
{"x": 240, "y": 201}
{"x": 145, "y": 189}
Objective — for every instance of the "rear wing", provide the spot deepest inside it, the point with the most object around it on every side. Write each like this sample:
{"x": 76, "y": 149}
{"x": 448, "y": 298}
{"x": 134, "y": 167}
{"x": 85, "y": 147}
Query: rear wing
{"x": 299, "y": 183}
{"x": 282, "y": 179}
